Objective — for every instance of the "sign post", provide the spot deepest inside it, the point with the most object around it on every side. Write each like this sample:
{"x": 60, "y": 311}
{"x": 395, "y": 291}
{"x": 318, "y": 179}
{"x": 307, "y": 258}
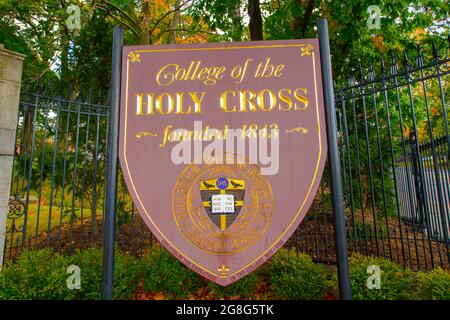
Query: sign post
{"x": 345, "y": 291}
{"x": 111, "y": 181}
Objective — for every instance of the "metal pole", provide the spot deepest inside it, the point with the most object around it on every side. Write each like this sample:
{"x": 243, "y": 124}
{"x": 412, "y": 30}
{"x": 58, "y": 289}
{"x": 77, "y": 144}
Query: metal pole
{"x": 111, "y": 181}
{"x": 345, "y": 290}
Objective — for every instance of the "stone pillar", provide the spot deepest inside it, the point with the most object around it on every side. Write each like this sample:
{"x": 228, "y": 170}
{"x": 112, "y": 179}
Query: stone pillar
{"x": 10, "y": 77}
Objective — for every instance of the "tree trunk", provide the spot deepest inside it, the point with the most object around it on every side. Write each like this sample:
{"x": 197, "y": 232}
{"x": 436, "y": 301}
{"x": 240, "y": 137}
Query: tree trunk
{"x": 300, "y": 24}
{"x": 175, "y": 23}
{"x": 145, "y": 22}
{"x": 255, "y": 25}
{"x": 236, "y": 33}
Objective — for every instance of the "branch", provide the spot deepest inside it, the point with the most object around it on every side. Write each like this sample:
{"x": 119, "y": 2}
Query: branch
{"x": 168, "y": 13}
{"x": 132, "y": 20}
{"x": 307, "y": 16}
{"x": 189, "y": 31}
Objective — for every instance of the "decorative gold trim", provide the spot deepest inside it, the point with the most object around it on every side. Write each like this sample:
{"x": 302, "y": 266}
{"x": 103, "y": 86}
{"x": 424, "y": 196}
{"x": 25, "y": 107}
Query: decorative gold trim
{"x": 140, "y": 134}
{"x": 227, "y": 48}
{"x": 306, "y": 51}
{"x": 305, "y": 198}
{"x": 319, "y": 156}
{"x": 298, "y": 130}
{"x": 223, "y": 271}
{"x": 134, "y": 57}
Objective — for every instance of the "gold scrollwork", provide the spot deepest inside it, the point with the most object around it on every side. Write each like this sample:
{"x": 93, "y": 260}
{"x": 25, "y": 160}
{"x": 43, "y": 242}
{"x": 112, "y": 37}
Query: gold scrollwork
{"x": 306, "y": 51}
{"x": 141, "y": 134}
{"x": 135, "y": 57}
{"x": 298, "y": 130}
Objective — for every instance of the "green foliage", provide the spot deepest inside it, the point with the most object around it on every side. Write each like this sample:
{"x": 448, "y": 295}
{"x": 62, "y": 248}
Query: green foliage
{"x": 90, "y": 263}
{"x": 222, "y": 15}
{"x": 161, "y": 272}
{"x": 244, "y": 288}
{"x": 433, "y": 285}
{"x": 40, "y": 274}
{"x": 294, "y": 276}
{"x": 36, "y": 275}
{"x": 395, "y": 281}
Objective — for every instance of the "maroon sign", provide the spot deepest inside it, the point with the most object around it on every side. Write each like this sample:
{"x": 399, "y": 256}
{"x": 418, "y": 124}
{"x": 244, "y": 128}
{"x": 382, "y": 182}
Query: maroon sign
{"x": 223, "y": 147}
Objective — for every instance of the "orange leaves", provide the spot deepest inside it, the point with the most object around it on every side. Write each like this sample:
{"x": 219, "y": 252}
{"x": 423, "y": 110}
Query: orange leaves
{"x": 435, "y": 111}
{"x": 406, "y": 132}
{"x": 378, "y": 42}
{"x": 419, "y": 34}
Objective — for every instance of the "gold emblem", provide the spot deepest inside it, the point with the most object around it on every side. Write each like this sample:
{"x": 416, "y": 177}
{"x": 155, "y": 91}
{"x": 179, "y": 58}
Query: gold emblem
{"x": 231, "y": 228}
{"x": 135, "y": 57}
{"x": 223, "y": 271}
{"x": 306, "y": 51}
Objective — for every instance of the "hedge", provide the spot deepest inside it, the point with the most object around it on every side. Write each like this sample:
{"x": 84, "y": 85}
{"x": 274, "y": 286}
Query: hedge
{"x": 41, "y": 274}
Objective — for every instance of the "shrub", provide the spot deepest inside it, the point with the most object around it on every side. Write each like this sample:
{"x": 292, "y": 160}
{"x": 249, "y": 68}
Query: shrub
{"x": 36, "y": 275}
{"x": 295, "y": 276}
{"x": 395, "y": 281}
{"x": 161, "y": 272}
{"x": 90, "y": 263}
{"x": 244, "y": 288}
{"x": 41, "y": 274}
{"x": 433, "y": 285}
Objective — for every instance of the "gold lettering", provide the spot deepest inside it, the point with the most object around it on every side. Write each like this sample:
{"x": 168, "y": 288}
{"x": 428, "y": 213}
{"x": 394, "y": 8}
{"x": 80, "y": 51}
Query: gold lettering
{"x": 286, "y": 99}
{"x": 140, "y": 104}
{"x": 223, "y": 101}
{"x": 246, "y": 97}
{"x": 278, "y": 70}
{"x": 261, "y": 100}
{"x": 166, "y": 133}
{"x": 195, "y": 70}
{"x": 170, "y": 103}
{"x": 197, "y": 101}
{"x": 301, "y": 98}
{"x": 168, "y": 77}
{"x": 180, "y": 104}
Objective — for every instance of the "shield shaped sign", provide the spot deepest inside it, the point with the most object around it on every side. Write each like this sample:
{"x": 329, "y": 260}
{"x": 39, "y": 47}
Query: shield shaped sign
{"x": 222, "y": 147}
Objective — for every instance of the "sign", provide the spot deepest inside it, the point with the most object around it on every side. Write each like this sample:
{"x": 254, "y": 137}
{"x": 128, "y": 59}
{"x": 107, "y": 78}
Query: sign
{"x": 223, "y": 147}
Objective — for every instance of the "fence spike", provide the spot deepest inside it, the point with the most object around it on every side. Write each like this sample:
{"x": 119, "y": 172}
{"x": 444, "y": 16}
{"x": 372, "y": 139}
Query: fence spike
{"x": 406, "y": 60}
{"x": 371, "y": 72}
{"x": 382, "y": 69}
{"x": 394, "y": 66}
{"x": 420, "y": 57}
{"x": 435, "y": 51}
{"x": 361, "y": 74}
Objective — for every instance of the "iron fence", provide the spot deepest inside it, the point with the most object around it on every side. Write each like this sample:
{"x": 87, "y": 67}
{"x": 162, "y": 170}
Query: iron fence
{"x": 59, "y": 173}
{"x": 396, "y": 184}
{"x": 394, "y": 148}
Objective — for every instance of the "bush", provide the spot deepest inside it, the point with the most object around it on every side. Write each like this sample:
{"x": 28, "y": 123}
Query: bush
{"x": 434, "y": 285}
{"x": 294, "y": 276}
{"x": 36, "y": 275}
{"x": 90, "y": 263}
{"x": 41, "y": 274}
{"x": 395, "y": 284}
{"x": 161, "y": 272}
{"x": 244, "y": 288}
